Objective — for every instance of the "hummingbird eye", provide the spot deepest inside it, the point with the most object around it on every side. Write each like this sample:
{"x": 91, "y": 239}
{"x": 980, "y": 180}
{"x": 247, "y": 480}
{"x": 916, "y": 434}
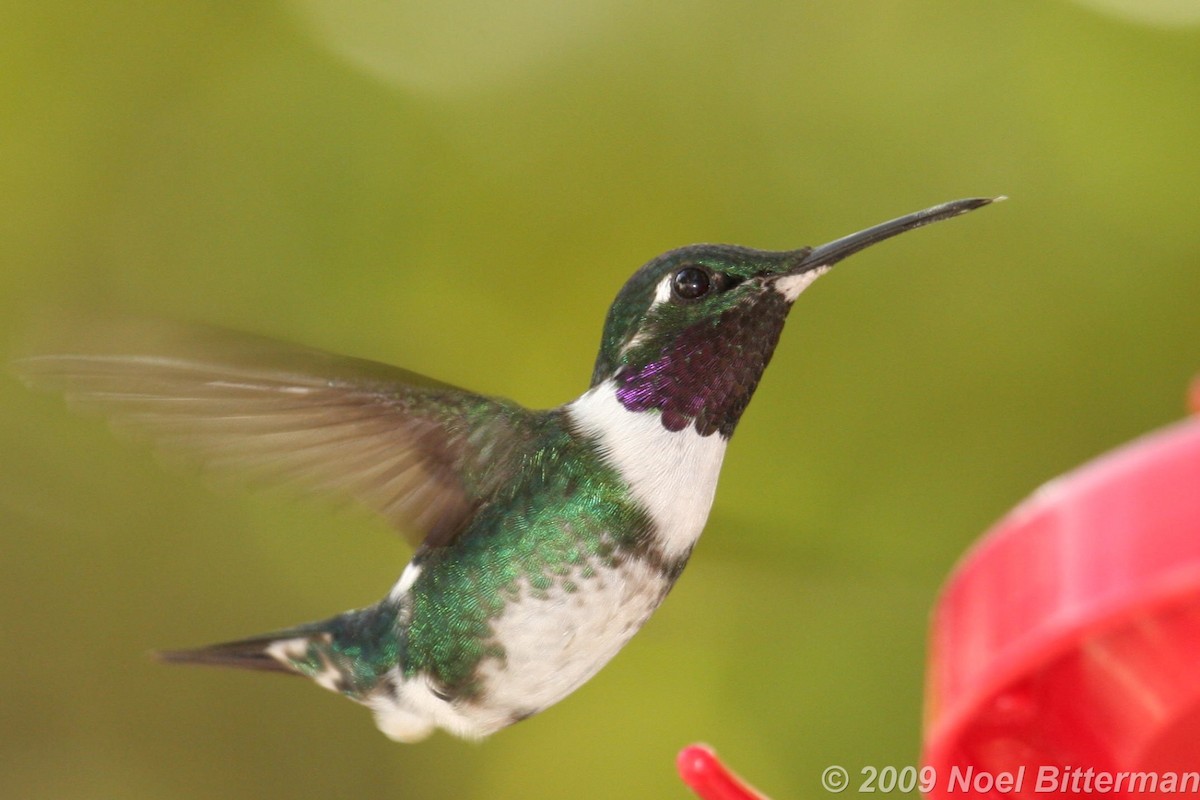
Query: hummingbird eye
{"x": 691, "y": 283}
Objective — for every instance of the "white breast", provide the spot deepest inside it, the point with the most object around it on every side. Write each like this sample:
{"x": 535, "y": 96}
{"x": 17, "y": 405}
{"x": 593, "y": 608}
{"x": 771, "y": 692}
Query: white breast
{"x": 672, "y": 474}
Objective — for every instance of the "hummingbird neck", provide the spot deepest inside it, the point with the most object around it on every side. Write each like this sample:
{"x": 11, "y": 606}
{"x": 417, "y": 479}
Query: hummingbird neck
{"x": 706, "y": 374}
{"x": 671, "y": 475}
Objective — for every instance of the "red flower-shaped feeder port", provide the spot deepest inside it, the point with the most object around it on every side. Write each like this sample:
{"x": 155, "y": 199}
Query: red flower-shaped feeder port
{"x": 705, "y": 775}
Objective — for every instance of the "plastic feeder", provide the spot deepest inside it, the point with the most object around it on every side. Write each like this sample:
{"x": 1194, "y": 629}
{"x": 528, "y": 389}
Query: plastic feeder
{"x": 1068, "y": 639}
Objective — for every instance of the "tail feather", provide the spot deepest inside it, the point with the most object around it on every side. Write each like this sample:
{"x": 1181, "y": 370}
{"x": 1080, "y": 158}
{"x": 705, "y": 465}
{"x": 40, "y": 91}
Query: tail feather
{"x": 349, "y": 653}
{"x": 255, "y": 653}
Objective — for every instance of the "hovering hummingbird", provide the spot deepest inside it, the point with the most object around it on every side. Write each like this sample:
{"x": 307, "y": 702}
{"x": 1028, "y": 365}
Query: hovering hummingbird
{"x": 543, "y": 539}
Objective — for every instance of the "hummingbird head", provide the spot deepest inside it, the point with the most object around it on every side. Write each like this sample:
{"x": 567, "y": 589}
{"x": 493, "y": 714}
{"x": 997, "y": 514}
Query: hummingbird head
{"x": 692, "y": 331}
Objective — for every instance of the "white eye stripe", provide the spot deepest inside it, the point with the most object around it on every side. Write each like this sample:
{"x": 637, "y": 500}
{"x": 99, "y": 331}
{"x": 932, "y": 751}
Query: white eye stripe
{"x": 662, "y": 292}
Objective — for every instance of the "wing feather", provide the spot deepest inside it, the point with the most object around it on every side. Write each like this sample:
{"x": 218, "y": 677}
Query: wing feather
{"x": 421, "y": 453}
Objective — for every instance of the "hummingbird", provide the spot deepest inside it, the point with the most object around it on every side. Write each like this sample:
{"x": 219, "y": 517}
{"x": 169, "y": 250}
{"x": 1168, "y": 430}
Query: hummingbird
{"x": 543, "y": 540}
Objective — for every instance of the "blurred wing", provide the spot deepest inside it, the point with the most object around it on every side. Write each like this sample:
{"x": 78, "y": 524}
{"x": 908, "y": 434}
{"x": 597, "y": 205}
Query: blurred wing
{"x": 421, "y": 453}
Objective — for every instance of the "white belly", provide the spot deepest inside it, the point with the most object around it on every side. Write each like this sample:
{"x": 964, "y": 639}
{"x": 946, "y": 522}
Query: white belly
{"x": 553, "y": 641}
{"x": 556, "y": 642}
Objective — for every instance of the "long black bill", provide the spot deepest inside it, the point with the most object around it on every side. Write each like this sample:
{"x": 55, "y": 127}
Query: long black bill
{"x": 829, "y": 254}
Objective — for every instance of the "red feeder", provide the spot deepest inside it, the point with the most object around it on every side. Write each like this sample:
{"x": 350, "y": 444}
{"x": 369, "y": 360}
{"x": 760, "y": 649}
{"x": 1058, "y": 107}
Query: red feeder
{"x": 1068, "y": 639}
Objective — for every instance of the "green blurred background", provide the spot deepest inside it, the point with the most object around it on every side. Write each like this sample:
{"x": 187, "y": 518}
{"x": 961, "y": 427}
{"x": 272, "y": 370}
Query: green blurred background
{"x": 461, "y": 188}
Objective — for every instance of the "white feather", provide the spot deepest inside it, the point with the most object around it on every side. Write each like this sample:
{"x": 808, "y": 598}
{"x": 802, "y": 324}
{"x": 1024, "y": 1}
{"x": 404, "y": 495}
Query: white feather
{"x": 554, "y": 641}
{"x": 673, "y": 474}
{"x": 790, "y": 286}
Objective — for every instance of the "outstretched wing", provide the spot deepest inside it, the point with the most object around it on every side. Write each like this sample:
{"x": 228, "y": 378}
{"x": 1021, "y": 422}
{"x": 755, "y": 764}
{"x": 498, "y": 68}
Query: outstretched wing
{"x": 421, "y": 453}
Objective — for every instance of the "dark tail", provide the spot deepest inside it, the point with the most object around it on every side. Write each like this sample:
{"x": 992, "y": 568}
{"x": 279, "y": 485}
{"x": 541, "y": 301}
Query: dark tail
{"x": 349, "y": 653}
{"x": 242, "y": 654}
